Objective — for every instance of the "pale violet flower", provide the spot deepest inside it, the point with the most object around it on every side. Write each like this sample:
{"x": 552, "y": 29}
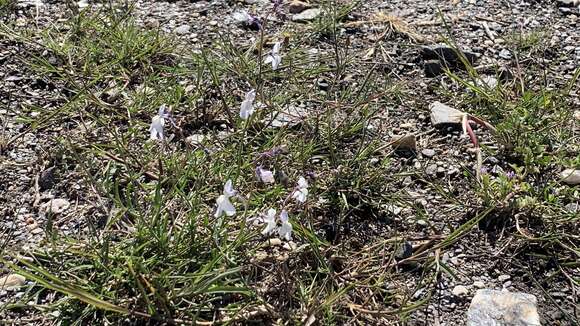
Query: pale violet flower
{"x": 224, "y": 205}
{"x": 274, "y": 57}
{"x": 157, "y": 123}
{"x": 270, "y": 220}
{"x": 285, "y": 230}
{"x": 301, "y": 191}
{"x": 248, "y": 105}
{"x": 266, "y": 176}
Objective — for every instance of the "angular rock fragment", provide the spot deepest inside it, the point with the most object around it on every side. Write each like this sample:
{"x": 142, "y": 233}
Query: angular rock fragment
{"x": 290, "y": 116}
{"x": 443, "y": 115}
{"x": 568, "y": 3}
{"x": 433, "y": 68}
{"x": 447, "y": 55}
{"x": 492, "y": 307}
{"x": 307, "y": 15}
{"x": 571, "y": 177}
{"x": 296, "y": 7}
{"x": 460, "y": 291}
{"x": 405, "y": 143}
{"x": 405, "y": 250}
{"x": 11, "y": 281}
{"x": 55, "y": 206}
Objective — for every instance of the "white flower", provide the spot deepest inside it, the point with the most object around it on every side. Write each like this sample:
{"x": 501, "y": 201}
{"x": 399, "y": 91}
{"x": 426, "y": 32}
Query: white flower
{"x": 229, "y": 189}
{"x": 266, "y": 176}
{"x": 285, "y": 230}
{"x": 270, "y": 220}
{"x": 224, "y": 205}
{"x": 301, "y": 191}
{"x": 274, "y": 57}
{"x": 248, "y": 105}
{"x": 157, "y": 123}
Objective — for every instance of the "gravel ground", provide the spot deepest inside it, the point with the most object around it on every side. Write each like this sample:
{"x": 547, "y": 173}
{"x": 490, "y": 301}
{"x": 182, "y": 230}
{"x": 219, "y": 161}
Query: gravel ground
{"x": 33, "y": 173}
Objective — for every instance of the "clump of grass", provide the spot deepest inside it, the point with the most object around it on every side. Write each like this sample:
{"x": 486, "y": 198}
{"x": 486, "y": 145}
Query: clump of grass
{"x": 153, "y": 250}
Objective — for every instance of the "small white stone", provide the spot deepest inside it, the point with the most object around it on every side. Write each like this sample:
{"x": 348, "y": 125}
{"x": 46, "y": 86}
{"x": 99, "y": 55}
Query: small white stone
{"x": 460, "y": 290}
{"x": 503, "y": 278}
{"x": 479, "y": 284}
{"x": 11, "y": 281}
{"x": 307, "y": 15}
{"x": 56, "y": 206}
{"x": 442, "y": 114}
{"x": 182, "y": 30}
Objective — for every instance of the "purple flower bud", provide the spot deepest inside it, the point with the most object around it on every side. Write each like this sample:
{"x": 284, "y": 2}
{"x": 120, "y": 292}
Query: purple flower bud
{"x": 510, "y": 174}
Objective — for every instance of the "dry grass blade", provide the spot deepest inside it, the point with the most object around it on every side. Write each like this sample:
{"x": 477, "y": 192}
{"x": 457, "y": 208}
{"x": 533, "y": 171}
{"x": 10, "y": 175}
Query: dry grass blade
{"x": 394, "y": 24}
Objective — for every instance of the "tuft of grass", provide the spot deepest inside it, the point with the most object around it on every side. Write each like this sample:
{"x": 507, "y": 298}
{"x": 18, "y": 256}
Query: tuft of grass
{"x": 152, "y": 251}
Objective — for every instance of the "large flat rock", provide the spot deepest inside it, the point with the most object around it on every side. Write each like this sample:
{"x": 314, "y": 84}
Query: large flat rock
{"x": 499, "y": 308}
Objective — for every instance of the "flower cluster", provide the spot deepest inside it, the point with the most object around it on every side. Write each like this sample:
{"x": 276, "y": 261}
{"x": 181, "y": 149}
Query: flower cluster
{"x": 270, "y": 219}
{"x": 285, "y": 228}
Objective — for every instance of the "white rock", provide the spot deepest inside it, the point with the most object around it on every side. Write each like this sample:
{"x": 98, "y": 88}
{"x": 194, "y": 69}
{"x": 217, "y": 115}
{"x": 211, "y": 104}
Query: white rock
{"x": 11, "y": 281}
{"x": 570, "y": 176}
{"x": 460, "y": 290}
{"x": 479, "y": 284}
{"x": 289, "y": 116}
{"x": 495, "y": 308}
{"x": 196, "y": 139}
{"x": 182, "y": 30}
{"x": 442, "y": 114}
{"x": 307, "y": 15}
{"x": 56, "y": 206}
{"x": 503, "y": 278}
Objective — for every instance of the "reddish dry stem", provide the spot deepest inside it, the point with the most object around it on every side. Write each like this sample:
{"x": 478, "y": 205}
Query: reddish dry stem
{"x": 471, "y": 133}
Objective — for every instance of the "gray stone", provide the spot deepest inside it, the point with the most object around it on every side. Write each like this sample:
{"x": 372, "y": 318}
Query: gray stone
{"x": 568, "y": 3}
{"x": 572, "y": 208}
{"x": 56, "y": 206}
{"x": 11, "y": 281}
{"x": 405, "y": 250}
{"x": 405, "y": 143}
{"x": 460, "y": 291}
{"x": 431, "y": 170}
{"x": 307, "y": 15}
{"x": 296, "y": 7}
{"x": 495, "y": 308}
{"x": 505, "y": 54}
{"x": 571, "y": 177}
{"x": 479, "y": 284}
{"x": 290, "y": 116}
{"x": 433, "y": 68}
{"x": 46, "y": 179}
{"x": 447, "y": 55}
{"x": 427, "y": 152}
{"x": 182, "y": 30}
{"x": 442, "y": 115}
{"x": 503, "y": 278}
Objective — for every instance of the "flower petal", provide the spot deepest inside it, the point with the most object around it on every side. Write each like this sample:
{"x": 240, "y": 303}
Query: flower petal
{"x": 225, "y": 206}
{"x": 302, "y": 183}
{"x": 270, "y": 227}
{"x": 246, "y": 110}
{"x": 251, "y": 95}
{"x": 229, "y": 188}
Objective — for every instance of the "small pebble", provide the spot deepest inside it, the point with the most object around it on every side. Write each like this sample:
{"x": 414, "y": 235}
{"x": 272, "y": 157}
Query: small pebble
{"x": 460, "y": 290}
